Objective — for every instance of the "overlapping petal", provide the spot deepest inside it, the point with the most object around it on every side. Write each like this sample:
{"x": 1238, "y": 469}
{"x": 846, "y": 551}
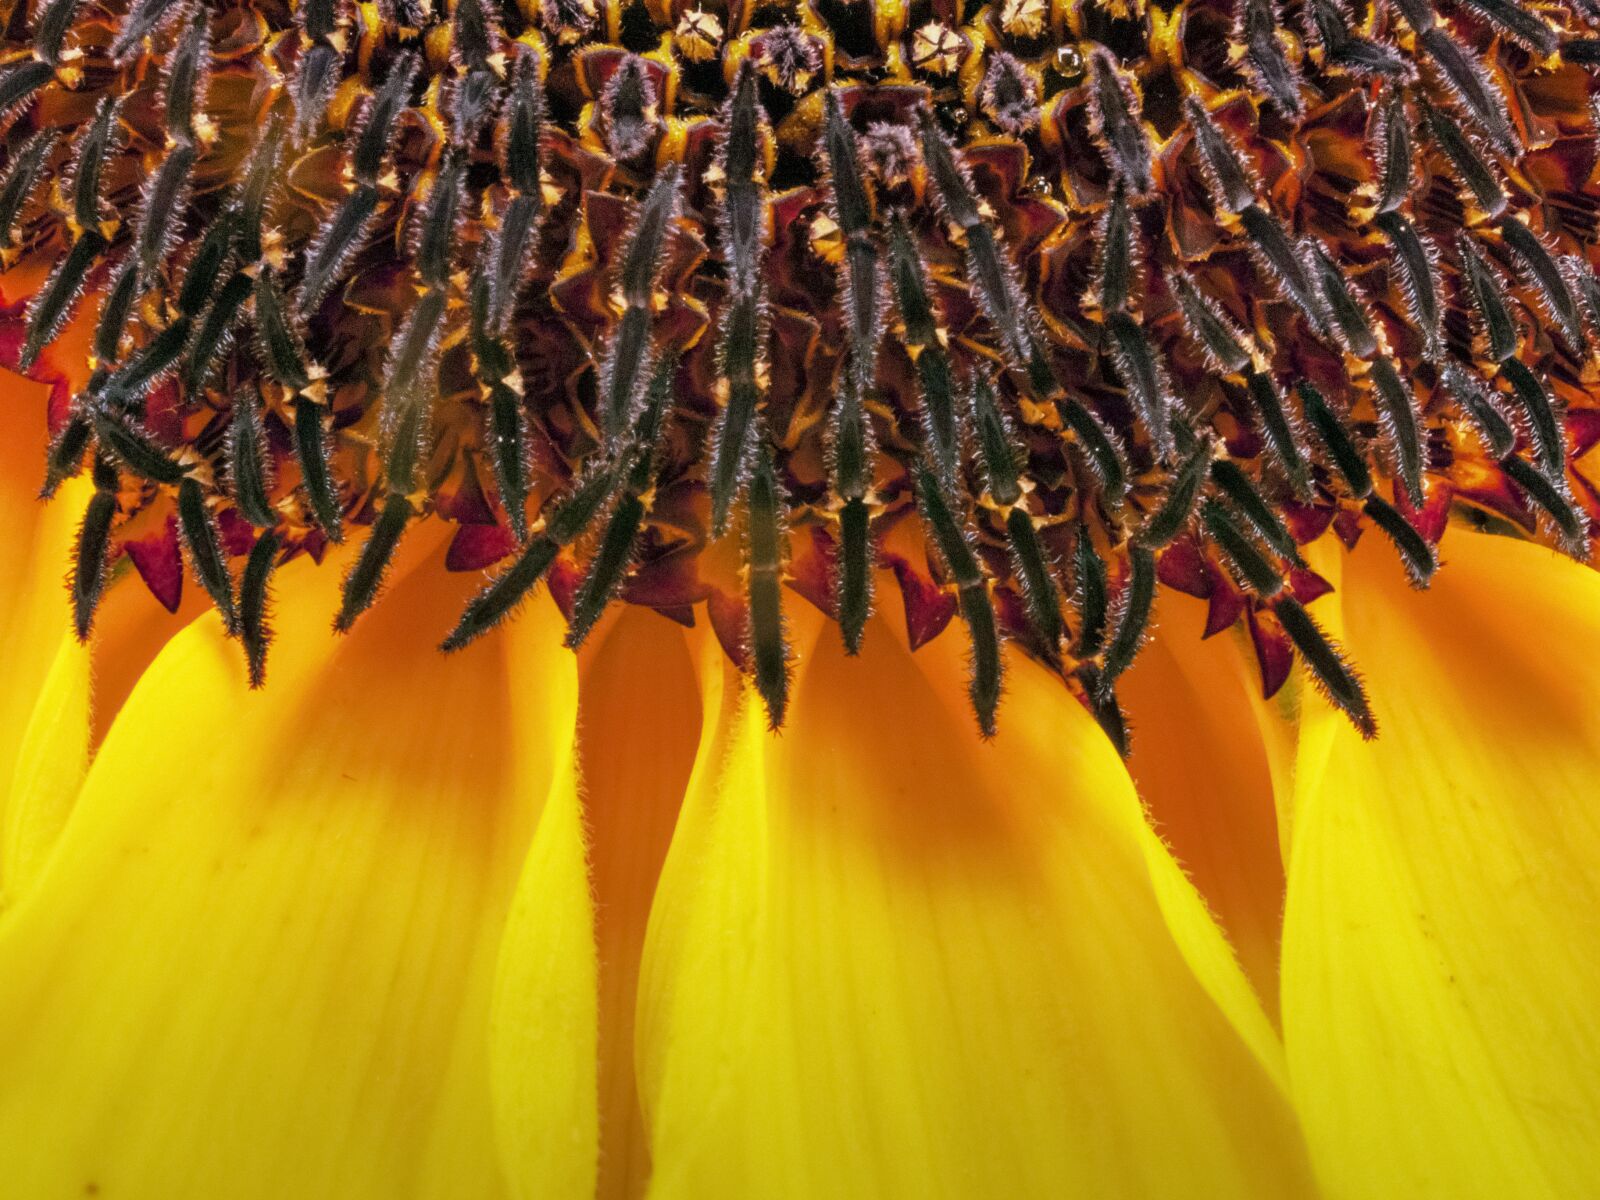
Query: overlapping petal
{"x": 883, "y": 957}
{"x": 638, "y": 749}
{"x": 260, "y": 960}
{"x": 1203, "y": 771}
{"x": 1441, "y": 944}
{"x": 59, "y": 697}
{"x": 41, "y": 760}
{"x": 51, "y": 756}
{"x": 889, "y": 959}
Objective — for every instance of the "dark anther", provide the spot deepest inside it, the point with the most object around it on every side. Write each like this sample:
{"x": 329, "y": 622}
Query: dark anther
{"x": 254, "y": 631}
{"x": 198, "y": 526}
{"x": 568, "y": 519}
{"x": 1133, "y": 617}
{"x": 972, "y": 596}
{"x": 1333, "y": 676}
{"x": 768, "y": 650}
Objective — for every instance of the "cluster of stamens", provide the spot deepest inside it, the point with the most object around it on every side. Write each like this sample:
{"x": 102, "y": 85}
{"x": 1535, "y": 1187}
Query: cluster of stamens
{"x": 1040, "y": 307}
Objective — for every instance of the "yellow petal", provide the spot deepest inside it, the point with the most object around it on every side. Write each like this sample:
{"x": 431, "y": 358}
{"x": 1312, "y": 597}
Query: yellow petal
{"x": 58, "y": 697}
{"x": 543, "y": 1030}
{"x": 1204, "y": 774}
{"x": 639, "y": 715}
{"x": 1441, "y": 951}
{"x": 36, "y": 646}
{"x": 73, "y": 706}
{"x": 639, "y": 747}
{"x": 888, "y": 959}
{"x": 259, "y": 962}
{"x": 129, "y": 631}
{"x": 52, "y": 755}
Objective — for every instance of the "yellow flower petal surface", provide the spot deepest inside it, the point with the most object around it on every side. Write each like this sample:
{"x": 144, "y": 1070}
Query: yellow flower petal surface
{"x": 639, "y": 705}
{"x": 51, "y": 757}
{"x": 888, "y": 959}
{"x": 41, "y": 762}
{"x": 639, "y": 714}
{"x": 73, "y": 706}
{"x": 130, "y": 630}
{"x": 260, "y": 961}
{"x": 1205, "y": 776}
{"x": 543, "y": 1032}
{"x": 1441, "y": 943}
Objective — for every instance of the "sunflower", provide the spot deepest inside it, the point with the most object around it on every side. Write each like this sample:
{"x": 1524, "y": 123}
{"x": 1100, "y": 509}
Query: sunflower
{"x": 1076, "y": 524}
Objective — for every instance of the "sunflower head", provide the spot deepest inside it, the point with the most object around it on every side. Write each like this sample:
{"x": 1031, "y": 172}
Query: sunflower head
{"x": 1040, "y": 306}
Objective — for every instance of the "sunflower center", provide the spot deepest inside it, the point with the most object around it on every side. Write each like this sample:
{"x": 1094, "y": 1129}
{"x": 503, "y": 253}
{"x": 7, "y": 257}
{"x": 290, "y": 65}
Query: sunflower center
{"x": 850, "y": 287}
